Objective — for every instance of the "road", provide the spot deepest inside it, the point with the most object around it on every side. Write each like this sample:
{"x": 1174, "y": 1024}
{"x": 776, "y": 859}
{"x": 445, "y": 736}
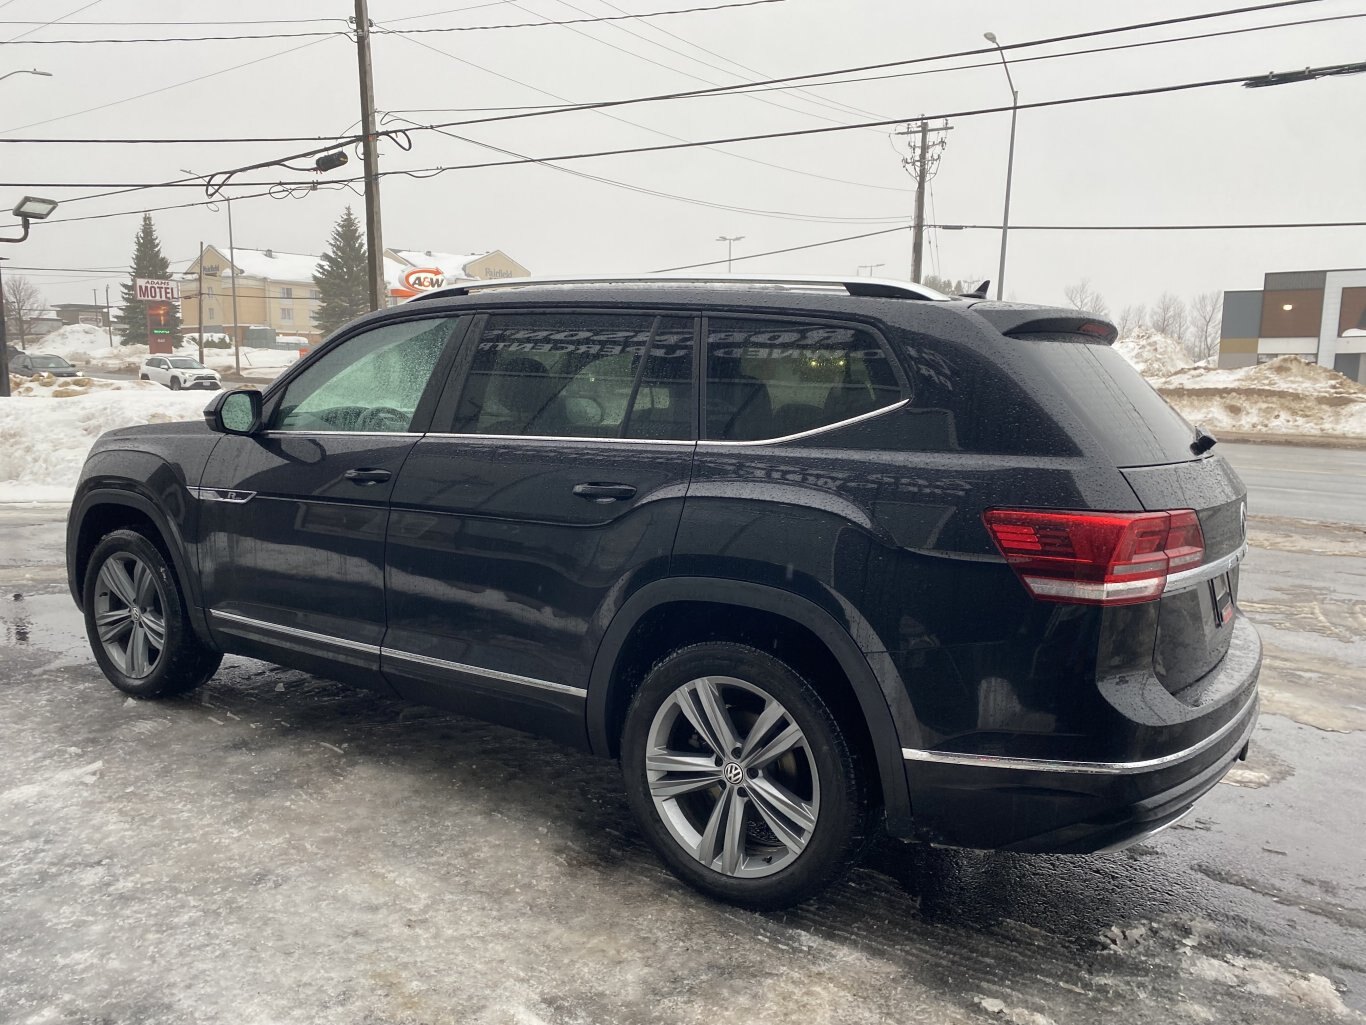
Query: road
{"x": 279, "y": 849}
{"x": 1300, "y": 482}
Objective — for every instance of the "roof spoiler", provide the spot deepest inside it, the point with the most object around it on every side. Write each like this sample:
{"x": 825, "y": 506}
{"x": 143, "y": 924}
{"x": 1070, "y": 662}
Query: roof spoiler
{"x": 1016, "y": 319}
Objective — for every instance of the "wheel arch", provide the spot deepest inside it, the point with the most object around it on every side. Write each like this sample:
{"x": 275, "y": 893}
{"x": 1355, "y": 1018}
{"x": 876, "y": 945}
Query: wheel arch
{"x": 719, "y": 609}
{"x": 102, "y": 510}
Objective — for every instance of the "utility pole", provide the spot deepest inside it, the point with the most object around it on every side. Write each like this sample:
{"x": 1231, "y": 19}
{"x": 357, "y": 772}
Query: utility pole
{"x": 4, "y": 337}
{"x": 199, "y": 301}
{"x": 922, "y": 165}
{"x": 374, "y": 235}
{"x": 236, "y": 327}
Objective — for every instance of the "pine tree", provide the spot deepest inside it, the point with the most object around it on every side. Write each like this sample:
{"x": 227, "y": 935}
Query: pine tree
{"x": 148, "y": 262}
{"x": 343, "y": 277}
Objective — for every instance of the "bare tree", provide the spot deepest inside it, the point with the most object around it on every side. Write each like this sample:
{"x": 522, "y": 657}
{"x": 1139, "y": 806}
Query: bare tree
{"x": 1130, "y": 319}
{"x": 1206, "y": 312}
{"x": 23, "y": 304}
{"x": 1168, "y": 316}
{"x": 1082, "y": 296}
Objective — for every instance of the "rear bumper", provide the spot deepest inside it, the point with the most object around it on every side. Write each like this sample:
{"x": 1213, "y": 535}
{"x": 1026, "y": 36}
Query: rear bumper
{"x": 1042, "y": 806}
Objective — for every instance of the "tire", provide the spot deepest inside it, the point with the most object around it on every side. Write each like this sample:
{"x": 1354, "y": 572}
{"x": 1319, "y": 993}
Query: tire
{"x": 143, "y": 377}
{"x": 803, "y": 816}
{"x": 133, "y": 596}
{"x": 175, "y": 384}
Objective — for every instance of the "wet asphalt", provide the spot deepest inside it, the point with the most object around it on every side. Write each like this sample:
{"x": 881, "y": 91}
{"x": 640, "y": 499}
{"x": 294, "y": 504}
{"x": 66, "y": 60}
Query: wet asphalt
{"x": 278, "y": 848}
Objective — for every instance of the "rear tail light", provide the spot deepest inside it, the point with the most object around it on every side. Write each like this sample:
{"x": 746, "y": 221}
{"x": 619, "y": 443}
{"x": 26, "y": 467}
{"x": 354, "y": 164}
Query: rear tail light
{"x": 1096, "y": 558}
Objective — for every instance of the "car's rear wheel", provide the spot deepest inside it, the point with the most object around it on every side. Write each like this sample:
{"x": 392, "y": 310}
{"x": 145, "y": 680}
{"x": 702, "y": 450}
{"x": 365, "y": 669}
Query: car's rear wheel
{"x": 741, "y": 777}
{"x": 135, "y": 618}
{"x": 143, "y": 377}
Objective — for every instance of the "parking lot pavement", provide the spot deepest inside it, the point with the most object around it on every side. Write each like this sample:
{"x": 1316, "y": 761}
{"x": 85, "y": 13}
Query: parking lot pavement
{"x": 277, "y": 849}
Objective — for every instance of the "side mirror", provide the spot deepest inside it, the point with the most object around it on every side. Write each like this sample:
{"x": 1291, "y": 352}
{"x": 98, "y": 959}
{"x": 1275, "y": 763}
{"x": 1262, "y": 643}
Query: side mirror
{"x": 235, "y": 412}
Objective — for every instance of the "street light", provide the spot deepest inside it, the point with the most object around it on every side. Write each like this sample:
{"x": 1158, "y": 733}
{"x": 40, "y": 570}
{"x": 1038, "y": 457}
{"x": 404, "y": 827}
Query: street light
{"x": 232, "y": 259}
{"x": 26, "y": 71}
{"x": 31, "y": 208}
{"x": 869, "y": 267}
{"x": 1010, "y": 162}
{"x": 730, "y": 241}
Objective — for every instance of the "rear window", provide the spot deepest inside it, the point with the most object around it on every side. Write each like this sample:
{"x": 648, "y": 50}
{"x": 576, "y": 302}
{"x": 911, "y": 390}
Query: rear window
{"x": 1133, "y": 423}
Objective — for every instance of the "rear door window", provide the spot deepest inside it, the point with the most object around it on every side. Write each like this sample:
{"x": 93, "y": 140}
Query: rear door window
{"x": 581, "y": 374}
{"x": 775, "y": 378}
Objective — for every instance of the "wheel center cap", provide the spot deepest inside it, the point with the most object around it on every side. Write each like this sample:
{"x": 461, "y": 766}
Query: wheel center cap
{"x": 137, "y": 616}
{"x": 733, "y": 774}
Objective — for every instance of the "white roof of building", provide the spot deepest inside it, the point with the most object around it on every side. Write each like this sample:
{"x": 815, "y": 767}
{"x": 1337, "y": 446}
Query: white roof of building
{"x": 273, "y": 264}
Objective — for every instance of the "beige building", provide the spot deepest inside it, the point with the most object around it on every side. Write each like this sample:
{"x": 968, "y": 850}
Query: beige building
{"x": 275, "y": 289}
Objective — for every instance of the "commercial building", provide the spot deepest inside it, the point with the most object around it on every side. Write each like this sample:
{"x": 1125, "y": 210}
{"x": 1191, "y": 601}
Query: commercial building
{"x": 276, "y": 289}
{"x": 1319, "y": 316}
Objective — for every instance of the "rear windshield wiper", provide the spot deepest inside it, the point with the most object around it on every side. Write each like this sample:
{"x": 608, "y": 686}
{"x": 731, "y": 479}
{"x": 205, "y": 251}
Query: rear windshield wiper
{"x": 1203, "y": 442}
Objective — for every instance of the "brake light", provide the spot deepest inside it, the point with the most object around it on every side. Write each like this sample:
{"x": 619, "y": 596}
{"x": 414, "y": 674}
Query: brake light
{"x": 1096, "y": 558}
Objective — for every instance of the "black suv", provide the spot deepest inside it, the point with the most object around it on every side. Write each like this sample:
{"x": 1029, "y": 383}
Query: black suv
{"x": 809, "y": 557}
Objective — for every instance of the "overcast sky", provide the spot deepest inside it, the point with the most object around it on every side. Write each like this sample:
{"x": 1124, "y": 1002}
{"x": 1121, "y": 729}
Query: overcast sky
{"x": 1229, "y": 154}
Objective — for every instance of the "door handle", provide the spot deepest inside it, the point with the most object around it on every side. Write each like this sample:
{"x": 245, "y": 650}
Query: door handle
{"x": 365, "y": 477}
{"x": 604, "y": 492}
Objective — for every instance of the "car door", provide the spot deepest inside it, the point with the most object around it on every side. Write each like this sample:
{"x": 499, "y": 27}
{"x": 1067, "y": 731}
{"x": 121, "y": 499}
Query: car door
{"x": 548, "y": 489}
{"x": 292, "y": 519}
{"x": 152, "y": 370}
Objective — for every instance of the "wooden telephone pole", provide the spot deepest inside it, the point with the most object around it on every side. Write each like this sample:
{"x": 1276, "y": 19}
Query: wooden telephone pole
{"x": 373, "y": 233}
{"x": 922, "y": 164}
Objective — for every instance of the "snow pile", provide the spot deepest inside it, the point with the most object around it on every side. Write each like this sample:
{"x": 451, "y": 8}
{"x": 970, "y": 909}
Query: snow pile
{"x": 1152, "y": 354}
{"x": 45, "y": 386}
{"x": 43, "y": 443}
{"x": 1285, "y": 395}
{"x": 74, "y": 342}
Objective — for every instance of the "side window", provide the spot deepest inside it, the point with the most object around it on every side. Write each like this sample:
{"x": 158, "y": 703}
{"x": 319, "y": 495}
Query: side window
{"x": 769, "y": 379}
{"x": 581, "y": 374}
{"x": 369, "y": 383}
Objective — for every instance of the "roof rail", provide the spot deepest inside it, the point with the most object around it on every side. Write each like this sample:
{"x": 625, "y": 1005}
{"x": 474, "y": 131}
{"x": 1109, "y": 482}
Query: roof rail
{"x": 879, "y": 288}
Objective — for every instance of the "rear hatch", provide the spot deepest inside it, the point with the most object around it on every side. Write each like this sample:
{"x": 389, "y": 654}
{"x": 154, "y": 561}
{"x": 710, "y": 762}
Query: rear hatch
{"x": 1151, "y": 444}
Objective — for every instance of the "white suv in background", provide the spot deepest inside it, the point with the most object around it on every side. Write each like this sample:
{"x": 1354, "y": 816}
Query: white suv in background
{"x": 177, "y": 372}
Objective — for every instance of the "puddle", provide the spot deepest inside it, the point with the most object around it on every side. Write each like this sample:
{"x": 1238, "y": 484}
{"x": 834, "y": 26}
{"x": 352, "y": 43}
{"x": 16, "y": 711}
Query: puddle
{"x": 43, "y": 622}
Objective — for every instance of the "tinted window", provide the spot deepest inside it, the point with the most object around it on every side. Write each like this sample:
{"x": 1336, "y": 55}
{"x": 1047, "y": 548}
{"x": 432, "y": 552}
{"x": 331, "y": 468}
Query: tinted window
{"x": 1132, "y": 421}
{"x": 369, "y": 383}
{"x": 769, "y": 379}
{"x": 580, "y": 375}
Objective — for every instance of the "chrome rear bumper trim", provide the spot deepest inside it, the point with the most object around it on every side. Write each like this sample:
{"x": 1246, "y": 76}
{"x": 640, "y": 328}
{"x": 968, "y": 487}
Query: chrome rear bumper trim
{"x": 1242, "y": 719}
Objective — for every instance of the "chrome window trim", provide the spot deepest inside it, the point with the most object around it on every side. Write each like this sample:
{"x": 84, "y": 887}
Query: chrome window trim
{"x": 557, "y": 437}
{"x": 492, "y": 674}
{"x": 1189, "y": 578}
{"x": 277, "y": 433}
{"x": 294, "y": 631}
{"x": 901, "y": 403}
{"x": 1088, "y": 768}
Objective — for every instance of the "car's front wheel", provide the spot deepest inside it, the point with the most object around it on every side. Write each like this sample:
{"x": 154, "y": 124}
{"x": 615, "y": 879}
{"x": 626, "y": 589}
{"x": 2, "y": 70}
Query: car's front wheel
{"x": 175, "y": 384}
{"x": 741, "y": 777}
{"x": 135, "y": 617}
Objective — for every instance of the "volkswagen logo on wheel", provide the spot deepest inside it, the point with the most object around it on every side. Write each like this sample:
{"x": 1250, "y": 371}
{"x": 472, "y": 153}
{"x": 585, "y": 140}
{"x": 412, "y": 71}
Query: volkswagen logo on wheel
{"x": 1242, "y": 518}
{"x": 733, "y": 774}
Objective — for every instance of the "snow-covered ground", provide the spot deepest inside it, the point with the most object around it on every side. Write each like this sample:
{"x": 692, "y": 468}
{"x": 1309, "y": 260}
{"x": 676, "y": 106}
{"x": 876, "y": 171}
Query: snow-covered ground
{"x": 1285, "y": 395}
{"x": 46, "y": 429}
{"x": 88, "y": 348}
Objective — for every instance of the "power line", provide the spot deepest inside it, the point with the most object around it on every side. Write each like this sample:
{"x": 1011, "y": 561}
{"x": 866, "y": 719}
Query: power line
{"x": 739, "y": 89}
{"x": 42, "y": 25}
{"x": 166, "y": 88}
{"x": 428, "y": 172}
{"x": 1026, "y": 227}
{"x": 401, "y": 31}
{"x": 634, "y": 124}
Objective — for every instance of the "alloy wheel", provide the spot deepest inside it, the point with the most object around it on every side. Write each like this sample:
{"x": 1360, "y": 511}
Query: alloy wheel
{"x": 130, "y": 614}
{"x": 732, "y": 777}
